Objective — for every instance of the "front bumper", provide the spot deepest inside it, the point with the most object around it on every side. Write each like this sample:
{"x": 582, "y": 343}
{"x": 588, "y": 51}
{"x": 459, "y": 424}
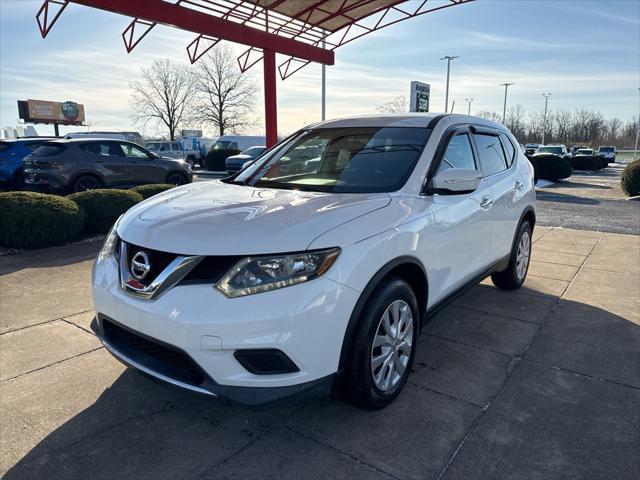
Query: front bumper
{"x": 306, "y": 322}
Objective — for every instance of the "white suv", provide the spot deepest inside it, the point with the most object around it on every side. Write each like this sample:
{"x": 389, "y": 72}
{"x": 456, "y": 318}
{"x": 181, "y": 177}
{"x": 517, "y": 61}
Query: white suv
{"x": 302, "y": 272}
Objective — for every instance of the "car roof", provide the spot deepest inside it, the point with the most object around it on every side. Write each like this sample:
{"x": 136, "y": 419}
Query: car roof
{"x": 403, "y": 120}
{"x": 87, "y": 140}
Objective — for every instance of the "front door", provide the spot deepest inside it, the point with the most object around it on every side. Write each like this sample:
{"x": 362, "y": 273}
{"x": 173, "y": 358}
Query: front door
{"x": 144, "y": 169}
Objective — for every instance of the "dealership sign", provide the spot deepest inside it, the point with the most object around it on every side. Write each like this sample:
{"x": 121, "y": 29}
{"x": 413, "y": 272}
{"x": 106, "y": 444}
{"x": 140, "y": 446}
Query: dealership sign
{"x": 419, "y": 97}
{"x": 43, "y": 111}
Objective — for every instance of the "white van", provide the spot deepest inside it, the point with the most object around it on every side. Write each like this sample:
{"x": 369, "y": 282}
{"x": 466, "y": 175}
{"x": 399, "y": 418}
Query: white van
{"x": 238, "y": 142}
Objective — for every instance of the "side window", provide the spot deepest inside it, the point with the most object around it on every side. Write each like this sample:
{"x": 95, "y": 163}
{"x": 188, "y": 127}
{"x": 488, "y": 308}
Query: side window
{"x": 132, "y": 151}
{"x": 103, "y": 149}
{"x": 175, "y": 146}
{"x": 233, "y": 145}
{"x": 491, "y": 154}
{"x": 458, "y": 154}
{"x": 165, "y": 147}
{"x": 509, "y": 149}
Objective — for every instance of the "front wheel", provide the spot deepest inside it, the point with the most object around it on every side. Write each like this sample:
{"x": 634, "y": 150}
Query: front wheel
{"x": 191, "y": 160}
{"x": 176, "y": 178}
{"x": 513, "y": 277}
{"x": 383, "y": 347}
{"x": 86, "y": 182}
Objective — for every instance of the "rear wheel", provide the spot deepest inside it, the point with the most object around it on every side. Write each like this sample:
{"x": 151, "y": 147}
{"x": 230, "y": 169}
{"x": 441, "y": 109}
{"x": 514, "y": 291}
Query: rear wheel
{"x": 514, "y": 275}
{"x": 384, "y": 346}
{"x": 176, "y": 178}
{"x": 191, "y": 160}
{"x": 86, "y": 182}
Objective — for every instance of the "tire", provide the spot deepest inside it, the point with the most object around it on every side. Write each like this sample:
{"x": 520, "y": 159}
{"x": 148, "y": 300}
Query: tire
{"x": 86, "y": 182}
{"x": 191, "y": 160}
{"x": 373, "y": 379}
{"x": 515, "y": 274}
{"x": 177, "y": 178}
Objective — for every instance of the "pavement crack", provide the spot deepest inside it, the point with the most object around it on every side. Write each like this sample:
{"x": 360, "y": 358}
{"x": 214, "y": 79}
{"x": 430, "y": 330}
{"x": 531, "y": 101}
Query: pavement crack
{"x": 450, "y": 397}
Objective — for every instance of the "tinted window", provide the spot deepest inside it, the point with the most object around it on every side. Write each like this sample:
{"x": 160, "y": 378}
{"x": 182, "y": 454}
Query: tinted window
{"x": 606, "y": 149}
{"x": 33, "y": 145}
{"x": 4, "y": 146}
{"x": 48, "y": 150}
{"x": 165, "y": 147}
{"x": 176, "y": 147}
{"x": 345, "y": 160}
{"x": 509, "y": 149}
{"x": 491, "y": 154}
{"x": 152, "y": 146}
{"x": 553, "y": 150}
{"x": 133, "y": 151}
{"x": 103, "y": 149}
{"x": 458, "y": 154}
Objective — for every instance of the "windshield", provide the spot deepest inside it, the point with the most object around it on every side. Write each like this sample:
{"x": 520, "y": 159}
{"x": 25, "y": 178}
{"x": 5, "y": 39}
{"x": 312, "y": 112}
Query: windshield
{"x": 254, "y": 151}
{"x": 343, "y": 160}
{"x": 585, "y": 152}
{"x": 605, "y": 149}
{"x": 554, "y": 150}
{"x": 221, "y": 144}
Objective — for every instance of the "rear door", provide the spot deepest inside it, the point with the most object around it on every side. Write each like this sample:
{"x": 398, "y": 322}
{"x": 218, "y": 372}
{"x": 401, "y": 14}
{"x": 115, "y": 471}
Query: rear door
{"x": 497, "y": 154}
{"x": 177, "y": 151}
{"x": 107, "y": 158}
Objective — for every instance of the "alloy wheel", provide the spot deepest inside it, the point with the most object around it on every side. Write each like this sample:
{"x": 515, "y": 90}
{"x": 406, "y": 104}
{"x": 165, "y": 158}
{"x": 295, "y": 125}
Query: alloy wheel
{"x": 522, "y": 257}
{"x": 391, "y": 349}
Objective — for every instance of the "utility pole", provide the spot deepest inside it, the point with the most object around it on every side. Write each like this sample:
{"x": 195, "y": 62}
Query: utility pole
{"x": 324, "y": 86}
{"x": 504, "y": 108}
{"x": 544, "y": 119}
{"x": 448, "y": 58}
{"x": 469, "y": 100}
{"x": 453, "y": 105}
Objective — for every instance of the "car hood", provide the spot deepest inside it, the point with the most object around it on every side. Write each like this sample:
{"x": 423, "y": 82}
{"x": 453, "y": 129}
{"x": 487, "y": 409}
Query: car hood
{"x": 217, "y": 218}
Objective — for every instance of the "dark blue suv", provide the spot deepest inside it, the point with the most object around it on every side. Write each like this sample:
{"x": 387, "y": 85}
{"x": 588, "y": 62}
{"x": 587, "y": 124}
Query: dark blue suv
{"x": 12, "y": 152}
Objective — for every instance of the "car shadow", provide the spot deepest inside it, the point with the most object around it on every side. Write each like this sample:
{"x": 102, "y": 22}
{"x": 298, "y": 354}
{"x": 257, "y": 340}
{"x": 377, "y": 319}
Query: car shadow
{"x": 138, "y": 428}
{"x": 564, "y": 198}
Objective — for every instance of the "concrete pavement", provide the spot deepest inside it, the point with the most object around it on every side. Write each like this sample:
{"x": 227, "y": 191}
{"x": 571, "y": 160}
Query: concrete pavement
{"x": 539, "y": 383}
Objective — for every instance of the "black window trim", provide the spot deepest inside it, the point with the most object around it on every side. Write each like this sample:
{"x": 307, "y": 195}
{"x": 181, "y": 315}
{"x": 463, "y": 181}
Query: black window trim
{"x": 492, "y": 132}
{"x": 449, "y": 133}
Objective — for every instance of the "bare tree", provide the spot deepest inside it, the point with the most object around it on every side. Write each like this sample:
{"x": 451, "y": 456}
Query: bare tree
{"x": 562, "y": 119}
{"x": 493, "y": 116}
{"x": 226, "y": 96}
{"x": 515, "y": 120}
{"x": 398, "y": 104}
{"x": 164, "y": 95}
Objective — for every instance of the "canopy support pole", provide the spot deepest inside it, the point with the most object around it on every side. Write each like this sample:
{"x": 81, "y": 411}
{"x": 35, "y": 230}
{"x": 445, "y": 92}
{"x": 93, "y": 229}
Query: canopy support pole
{"x": 270, "y": 99}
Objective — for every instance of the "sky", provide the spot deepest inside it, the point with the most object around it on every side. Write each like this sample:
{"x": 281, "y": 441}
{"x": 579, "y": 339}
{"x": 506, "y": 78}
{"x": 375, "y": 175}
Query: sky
{"x": 586, "y": 53}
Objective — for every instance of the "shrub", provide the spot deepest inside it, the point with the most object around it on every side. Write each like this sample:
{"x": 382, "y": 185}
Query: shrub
{"x": 104, "y": 206}
{"x": 33, "y": 220}
{"x": 630, "y": 179}
{"x": 152, "y": 189}
{"x": 536, "y": 173}
{"x": 553, "y": 167}
{"x": 586, "y": 162}
{"x": 215, "y": 160}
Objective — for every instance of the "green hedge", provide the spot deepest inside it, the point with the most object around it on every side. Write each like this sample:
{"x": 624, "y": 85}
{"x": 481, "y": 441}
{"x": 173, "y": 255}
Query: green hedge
{"x": 586, "y": 162}
{"x": 553, "y": 167}
{"x": 104, "y": 206}
{"x": 215, "y": 160}
{"x": 630, "y": 179}
{"x": 152, "y": 189}
{"x": 34, "y": 220}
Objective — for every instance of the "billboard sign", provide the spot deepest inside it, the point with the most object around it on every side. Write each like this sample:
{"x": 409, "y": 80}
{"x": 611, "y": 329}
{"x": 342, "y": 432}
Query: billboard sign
{"x": 419, "y": 97}
{"x": 44, "y": 111}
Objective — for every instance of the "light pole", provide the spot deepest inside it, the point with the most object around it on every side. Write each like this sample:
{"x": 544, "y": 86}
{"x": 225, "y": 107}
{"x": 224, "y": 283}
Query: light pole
{"x": 448, "y": 58}
{"x": 544, "y": 119}
{"x": 635, "y": 148}
{"x": 469, "y": 100}
{"x": 504, "y": 108}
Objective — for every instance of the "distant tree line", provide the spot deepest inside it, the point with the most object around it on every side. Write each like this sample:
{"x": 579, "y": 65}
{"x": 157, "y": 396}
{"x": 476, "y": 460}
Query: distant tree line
{"x": 584, "y": 127}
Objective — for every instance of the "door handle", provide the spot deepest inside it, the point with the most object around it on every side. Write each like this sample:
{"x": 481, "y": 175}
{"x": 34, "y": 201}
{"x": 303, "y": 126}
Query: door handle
{"x": 486, "y": 201}
{"x": 519, "y": 185}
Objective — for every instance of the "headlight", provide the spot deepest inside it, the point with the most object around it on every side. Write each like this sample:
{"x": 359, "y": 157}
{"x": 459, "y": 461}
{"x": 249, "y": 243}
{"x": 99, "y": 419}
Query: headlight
{"x": 261, "y": 274}
{"x": 109, "y": 247}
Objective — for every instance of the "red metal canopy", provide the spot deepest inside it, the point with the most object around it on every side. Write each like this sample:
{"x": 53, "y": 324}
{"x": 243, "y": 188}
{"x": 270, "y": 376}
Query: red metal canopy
{"x": 304, "y": 30}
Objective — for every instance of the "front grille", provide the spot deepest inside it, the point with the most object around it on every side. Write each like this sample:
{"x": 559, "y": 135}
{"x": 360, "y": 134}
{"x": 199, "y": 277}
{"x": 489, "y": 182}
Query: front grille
{"x": 156, "y": 356}
{"x": 210, "y": 269}
{"x": 157, "y": 259}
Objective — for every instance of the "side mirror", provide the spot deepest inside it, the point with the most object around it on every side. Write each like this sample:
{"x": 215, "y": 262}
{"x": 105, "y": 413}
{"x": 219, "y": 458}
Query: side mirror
{"x": 456, "y": 180}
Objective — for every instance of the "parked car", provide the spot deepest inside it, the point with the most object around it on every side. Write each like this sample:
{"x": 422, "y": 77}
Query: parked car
{"x": 552, "y": 149}
{"x": 531, "y": 148}
{"x": 584, "y": 151}
{"x": 238, "y": 142}
{"x": 607, "y": 152}
{"x": 319, "y": 277}
{"x": 172, "y": 150}
{"x": 12, "y": 154}
{"x": 79, "y": 164}
{"x": 575, "y": 148}
{"x": 235, "y": 163}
